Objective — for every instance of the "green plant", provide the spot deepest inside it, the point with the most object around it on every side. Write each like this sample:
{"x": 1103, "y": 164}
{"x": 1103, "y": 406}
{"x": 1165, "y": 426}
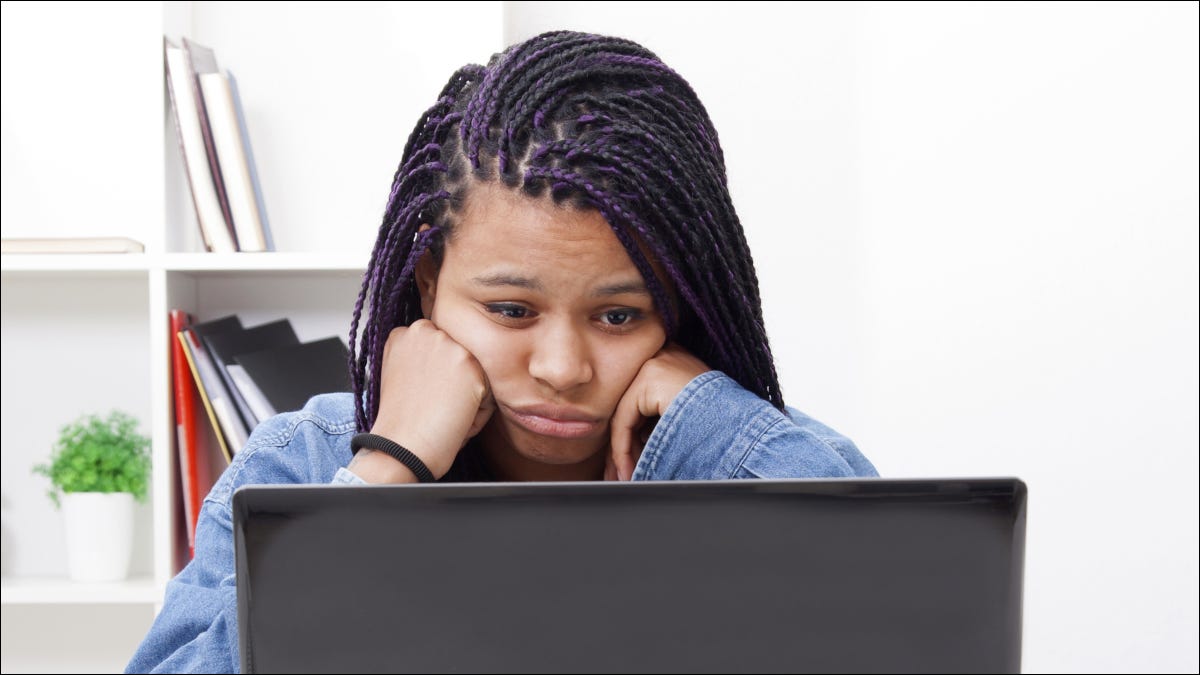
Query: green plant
{"x": 94, "y": 454}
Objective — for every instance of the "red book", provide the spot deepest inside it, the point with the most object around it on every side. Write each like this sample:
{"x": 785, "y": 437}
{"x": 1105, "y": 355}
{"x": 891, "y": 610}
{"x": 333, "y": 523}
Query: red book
{"x": 186, "y": 433}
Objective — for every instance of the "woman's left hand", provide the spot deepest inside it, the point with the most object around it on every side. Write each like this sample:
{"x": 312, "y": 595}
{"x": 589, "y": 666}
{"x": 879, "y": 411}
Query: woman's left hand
{"x": 657, "y": 384}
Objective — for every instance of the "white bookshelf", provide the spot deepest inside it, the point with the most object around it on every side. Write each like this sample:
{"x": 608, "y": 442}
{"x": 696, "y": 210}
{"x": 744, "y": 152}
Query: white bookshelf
{"x": 84, "y": 264}
{"x": 265, "y": 262}
{"x": 93, "y": 264}
{"x": 89, "y": 332}
{"x": 57, "y": 591}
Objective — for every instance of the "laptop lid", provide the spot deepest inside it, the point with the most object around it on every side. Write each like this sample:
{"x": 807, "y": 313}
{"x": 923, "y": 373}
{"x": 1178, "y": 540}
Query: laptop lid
{"x": 690, "y": 576}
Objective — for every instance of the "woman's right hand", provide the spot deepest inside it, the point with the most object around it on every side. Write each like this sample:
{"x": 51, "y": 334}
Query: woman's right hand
{"x": 433, "y": 395}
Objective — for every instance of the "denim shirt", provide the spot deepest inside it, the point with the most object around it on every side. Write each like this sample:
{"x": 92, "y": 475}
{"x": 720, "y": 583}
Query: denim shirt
{"x": 714, "y": 429}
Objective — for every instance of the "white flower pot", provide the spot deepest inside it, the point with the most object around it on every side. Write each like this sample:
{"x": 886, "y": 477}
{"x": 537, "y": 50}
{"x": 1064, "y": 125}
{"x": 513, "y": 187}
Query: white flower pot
{"x": 99, "y": 534}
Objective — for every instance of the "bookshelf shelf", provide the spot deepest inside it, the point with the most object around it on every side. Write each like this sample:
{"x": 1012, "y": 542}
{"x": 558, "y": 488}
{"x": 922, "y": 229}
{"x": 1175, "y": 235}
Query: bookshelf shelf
{"x": 133, "y": 264}
{"x": 82, "y": 264}
{"x": 53, "y": 591}
{"x": 264, "y": 262}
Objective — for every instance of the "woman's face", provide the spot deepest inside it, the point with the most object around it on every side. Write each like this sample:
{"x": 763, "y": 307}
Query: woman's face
{"x": 549, "y": 302}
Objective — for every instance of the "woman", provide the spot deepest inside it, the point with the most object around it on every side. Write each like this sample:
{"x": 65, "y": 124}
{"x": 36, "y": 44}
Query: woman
{"x": 560, "y": 290}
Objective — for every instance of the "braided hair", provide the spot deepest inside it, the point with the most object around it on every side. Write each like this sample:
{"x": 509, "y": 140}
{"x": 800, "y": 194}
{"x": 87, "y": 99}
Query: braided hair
{"x": 594, "y": 122}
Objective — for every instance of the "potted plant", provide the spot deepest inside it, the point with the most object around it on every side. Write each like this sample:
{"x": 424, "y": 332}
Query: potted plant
{"x": 98, "y": 468}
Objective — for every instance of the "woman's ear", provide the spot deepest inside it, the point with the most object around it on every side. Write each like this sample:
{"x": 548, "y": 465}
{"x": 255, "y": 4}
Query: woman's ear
{"x": 426, "y": 274}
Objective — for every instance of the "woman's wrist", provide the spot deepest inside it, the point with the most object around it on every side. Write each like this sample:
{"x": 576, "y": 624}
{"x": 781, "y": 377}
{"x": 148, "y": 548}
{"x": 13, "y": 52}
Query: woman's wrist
{"x": 396, "y": 451}
{"x": 433, "y": 451}
{"x": 378, "y": 467}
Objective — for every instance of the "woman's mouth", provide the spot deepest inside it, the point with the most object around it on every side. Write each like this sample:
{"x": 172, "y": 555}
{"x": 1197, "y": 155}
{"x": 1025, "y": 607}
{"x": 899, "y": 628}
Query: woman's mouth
{"x": 555, "y": 421}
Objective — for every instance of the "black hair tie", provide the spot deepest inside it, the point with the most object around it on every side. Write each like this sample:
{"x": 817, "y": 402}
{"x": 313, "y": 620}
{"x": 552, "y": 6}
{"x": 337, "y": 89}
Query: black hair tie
{"x": 398, "y": 452}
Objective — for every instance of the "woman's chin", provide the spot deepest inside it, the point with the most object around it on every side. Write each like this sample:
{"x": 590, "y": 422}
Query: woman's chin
{"x": 556, "y": 451}
{"x": 517, "y": 453}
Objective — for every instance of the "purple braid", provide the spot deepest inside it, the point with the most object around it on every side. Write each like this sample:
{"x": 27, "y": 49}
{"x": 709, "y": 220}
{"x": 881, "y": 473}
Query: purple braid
{"x": 406, "y": 274}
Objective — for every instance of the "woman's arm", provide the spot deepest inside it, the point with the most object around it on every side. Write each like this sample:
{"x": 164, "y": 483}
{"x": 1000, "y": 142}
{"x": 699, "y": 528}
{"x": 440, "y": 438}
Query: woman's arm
{"x": 197, "y": 629}
{"x": 715, "y": 429}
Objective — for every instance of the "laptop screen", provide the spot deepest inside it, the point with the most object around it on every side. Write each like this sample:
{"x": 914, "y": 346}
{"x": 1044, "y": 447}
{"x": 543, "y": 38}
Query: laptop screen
{"x": 693, "y": 576}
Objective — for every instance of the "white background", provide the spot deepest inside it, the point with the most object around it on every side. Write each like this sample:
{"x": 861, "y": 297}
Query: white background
{"x": 975, "y": 227}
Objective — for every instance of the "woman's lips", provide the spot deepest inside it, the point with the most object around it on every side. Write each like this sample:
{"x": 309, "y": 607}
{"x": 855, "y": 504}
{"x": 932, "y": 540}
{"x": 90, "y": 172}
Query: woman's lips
{"x": 556, "y": 422}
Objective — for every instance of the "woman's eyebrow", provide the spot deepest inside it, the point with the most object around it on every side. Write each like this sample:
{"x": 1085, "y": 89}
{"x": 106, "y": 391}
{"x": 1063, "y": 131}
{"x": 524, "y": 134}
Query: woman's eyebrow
{"x": 499, "y": 279}
{"x": 622, "y": 288}
{"x": 502, "y": 279}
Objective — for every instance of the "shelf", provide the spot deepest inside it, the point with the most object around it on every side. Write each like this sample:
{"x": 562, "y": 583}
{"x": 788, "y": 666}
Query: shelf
{"x": 132, "y": 264}
{"x": 82, "y": 264}
{"x": 59, "y": 591}
{"x": 264, "y": 262}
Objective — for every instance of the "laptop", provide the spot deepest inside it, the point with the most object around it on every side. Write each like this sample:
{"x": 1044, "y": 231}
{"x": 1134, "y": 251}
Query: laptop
{"x": 841, "y": 575}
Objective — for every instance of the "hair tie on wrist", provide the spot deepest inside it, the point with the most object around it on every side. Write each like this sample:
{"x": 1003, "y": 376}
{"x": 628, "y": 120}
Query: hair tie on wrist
{"x": 398, "y": 452}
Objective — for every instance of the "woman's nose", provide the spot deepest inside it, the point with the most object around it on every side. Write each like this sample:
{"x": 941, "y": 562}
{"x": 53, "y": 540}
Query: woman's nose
{"x": 560, "y": 358}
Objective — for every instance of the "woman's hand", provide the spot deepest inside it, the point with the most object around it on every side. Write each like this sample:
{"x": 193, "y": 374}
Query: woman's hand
{"x": 433, "y": 397}
{"x": 657, "y": 384}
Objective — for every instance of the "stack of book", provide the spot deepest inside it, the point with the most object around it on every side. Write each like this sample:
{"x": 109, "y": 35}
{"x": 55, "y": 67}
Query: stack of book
{"x": 240, "y": 376}
{"x": 211, "y": 128}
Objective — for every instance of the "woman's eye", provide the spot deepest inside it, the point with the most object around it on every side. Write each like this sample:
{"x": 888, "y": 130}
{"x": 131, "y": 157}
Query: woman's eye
{"x": 619, "y": 317}
{"x": 509, "y": 311}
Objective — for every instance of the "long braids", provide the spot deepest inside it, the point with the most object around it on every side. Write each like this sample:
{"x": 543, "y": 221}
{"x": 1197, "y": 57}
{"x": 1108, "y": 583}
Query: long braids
{"x": 601, "y": 123}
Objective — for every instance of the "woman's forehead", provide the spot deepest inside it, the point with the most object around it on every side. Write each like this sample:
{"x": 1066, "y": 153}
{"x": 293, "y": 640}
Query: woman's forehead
{"x": 503, "y": 234}
{"x": 501, "y": 226}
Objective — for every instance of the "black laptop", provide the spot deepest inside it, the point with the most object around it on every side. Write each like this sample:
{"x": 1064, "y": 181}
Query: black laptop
{"x": 690, "y": 576}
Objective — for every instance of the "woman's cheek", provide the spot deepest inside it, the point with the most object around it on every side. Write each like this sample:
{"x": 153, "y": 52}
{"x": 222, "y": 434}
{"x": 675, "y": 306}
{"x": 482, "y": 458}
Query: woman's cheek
{"x": 622, "y": 365}
{"x": 492, "y": 346}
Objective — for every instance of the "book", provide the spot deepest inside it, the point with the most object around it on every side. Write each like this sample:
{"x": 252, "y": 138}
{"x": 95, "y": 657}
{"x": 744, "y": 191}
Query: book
{"x": 72, "y": 245}
{"x": 221, "y": 414}
{"x": 226, "y": 345}
{"x": 209, "y": 215}
{"x": 288, "y": 376}
{"x": 265, "y": 223}
{"x": 231, "y": 155}
{"x": 186, "y": 436}
{"x": 201, "y": 60}
{"x": 253, "y": 396}
{"x": 237, "y": 430}
{"x": 185, "y": 340}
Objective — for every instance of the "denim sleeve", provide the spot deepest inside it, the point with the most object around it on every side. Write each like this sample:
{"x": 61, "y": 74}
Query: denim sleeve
{"x": 715, "y": 429}
{"x": 345, "y": 476}
{"x": 197, "y": 629}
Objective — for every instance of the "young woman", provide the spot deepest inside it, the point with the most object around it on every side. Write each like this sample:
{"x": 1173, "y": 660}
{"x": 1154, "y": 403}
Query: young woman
{"x": 560, "y": 290}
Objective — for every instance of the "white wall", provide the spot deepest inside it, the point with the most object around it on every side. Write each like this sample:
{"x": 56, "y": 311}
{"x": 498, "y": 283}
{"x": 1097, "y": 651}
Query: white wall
{"x": 975, "y": 226}
{"x": 76, "y": 160}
